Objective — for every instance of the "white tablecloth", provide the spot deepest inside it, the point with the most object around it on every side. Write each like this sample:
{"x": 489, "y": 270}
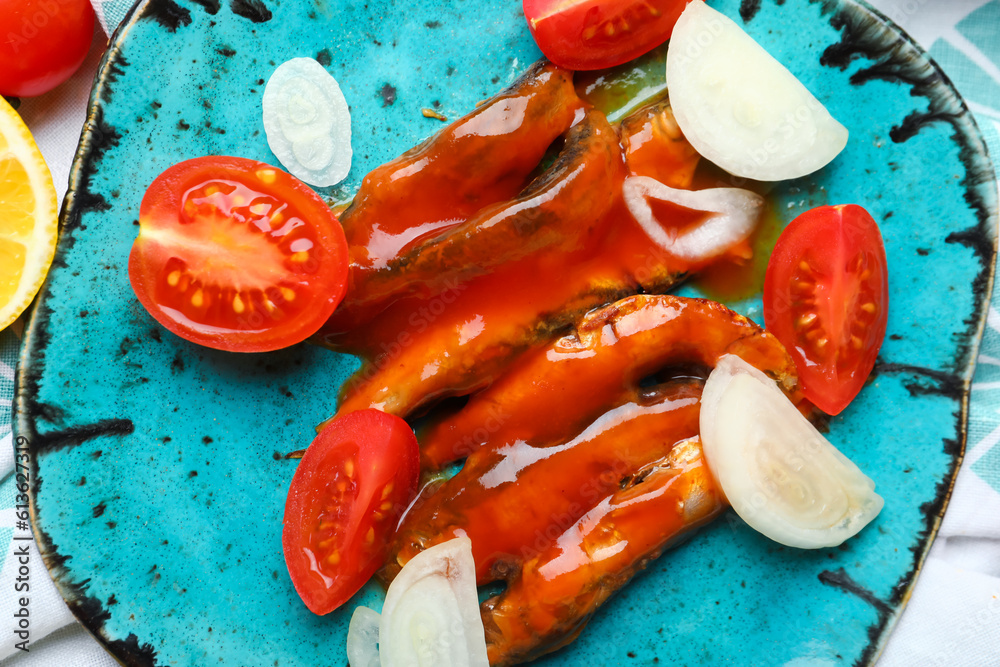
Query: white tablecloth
{"x": 953, "y": 619}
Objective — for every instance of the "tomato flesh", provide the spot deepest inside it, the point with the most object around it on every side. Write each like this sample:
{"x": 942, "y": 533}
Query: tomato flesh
{"x": 43, "y": 43}
{"x": 237, "y": 255}
{"x": 344, "y": 502}
{"x": 594, "y": 34}
{"x": 826, "y": 298}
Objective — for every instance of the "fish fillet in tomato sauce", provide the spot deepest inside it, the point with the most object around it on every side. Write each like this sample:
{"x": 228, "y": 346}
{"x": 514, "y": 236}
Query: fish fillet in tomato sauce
{"x": 450, "y": 333}
{"x": 589, "y": 471}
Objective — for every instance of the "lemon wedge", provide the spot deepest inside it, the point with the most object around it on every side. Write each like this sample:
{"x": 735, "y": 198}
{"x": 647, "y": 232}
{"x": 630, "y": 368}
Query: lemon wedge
{"x": 28, "y": 216}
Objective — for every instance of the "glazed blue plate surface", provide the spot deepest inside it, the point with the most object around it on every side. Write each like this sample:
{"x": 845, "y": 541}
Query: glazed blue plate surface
{"x": 159, "y": 476}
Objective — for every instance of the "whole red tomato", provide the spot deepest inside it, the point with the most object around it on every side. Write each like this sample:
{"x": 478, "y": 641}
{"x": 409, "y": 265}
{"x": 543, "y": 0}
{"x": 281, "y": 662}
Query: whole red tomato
{"x": 42, "y": 42}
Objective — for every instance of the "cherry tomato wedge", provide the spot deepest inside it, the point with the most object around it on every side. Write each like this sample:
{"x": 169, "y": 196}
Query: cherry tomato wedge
{"x": 826, "y": 298}
{"x": 594, "y": 34}
{"x": 237, "y": 255}
{"x": 345, "y": 499}
{"x": 43, "y": 42}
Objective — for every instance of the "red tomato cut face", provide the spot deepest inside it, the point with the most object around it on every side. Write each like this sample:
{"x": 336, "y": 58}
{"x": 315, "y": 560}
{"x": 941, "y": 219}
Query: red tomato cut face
{"x": 237, "y": 255}
{"x": 594, "y": 34}
{"x": 826, "y": 298}
{"x": 343, "y": 505}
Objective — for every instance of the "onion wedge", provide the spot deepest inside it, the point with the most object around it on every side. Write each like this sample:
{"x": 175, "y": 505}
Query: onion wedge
{"x": 307, "y": 122}
{"x": 736, "y": 214}
{"x": 780, "y": 475}
{"x": 739, "y": 107}
{"x": 431, "y": 613}
{"x": 362, "y": 638}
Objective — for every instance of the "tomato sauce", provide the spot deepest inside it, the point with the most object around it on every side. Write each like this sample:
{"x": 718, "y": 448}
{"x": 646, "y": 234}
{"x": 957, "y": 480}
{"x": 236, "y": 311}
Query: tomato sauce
{"x": 468, "y": 261}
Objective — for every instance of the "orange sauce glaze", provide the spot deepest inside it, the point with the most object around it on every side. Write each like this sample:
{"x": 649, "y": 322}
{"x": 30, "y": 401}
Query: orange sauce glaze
{"x": 544, "y": 498}
{"x": 513, "y": 500}
{"x": 463, "y": 336}
{"x": 559, "y": 589}
{"x": 482, "y": 158}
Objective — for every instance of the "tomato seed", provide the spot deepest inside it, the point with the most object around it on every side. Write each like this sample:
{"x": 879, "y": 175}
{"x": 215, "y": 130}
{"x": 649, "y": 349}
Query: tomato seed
{"x": 807, "y": 319}
{"x": 173, "y": 278}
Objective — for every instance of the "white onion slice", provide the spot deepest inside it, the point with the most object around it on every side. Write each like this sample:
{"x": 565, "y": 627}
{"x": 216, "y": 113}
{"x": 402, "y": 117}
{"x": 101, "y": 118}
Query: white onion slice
{"x": 431, "y": 613}
{"x": 307, "y": 122}
{"x": 737, "y": 213}
{"x": 780, "y": 475}
{"x": 362, "y": 638}
{"x": 739, "y": 107}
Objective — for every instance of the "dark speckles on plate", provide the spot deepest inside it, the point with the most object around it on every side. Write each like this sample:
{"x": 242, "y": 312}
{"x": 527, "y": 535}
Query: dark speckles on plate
{"x": 255, "y": 10}
{"x": 749, "y": 9}
{"x": 168, "y": 14}
{"x": 211, "y": 6}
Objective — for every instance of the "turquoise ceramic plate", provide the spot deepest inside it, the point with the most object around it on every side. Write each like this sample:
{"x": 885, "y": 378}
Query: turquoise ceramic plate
{"x": 159, "y": 482}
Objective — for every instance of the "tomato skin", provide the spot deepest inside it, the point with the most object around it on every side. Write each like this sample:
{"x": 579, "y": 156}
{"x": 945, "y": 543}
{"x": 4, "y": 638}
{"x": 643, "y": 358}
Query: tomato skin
{"x": 237, "y": 255}
{"x": 338, "y": 494}
{"x": 42, "y": 42}
{"x": 826, "y": 298}
{"x": 594, "y": 34}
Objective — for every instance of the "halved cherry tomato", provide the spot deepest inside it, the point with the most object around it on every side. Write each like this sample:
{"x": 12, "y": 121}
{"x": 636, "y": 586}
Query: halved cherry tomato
{"x": 346, "y": 497}
{"x": 826, "y": 298}
{"x": 237, "y": 255}
{"x": 594, "y": 34}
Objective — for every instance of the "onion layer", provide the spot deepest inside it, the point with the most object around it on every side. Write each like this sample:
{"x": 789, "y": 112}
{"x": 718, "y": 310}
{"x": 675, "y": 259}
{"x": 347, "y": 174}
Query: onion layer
{"x": 739, "y": 107}
{"x": 780, "y": 475}
{"x": 362, "y": 638}
{"x": 431, "y": 612}
{"x": 307, "y": 122}
{"x": 736, "y": 214}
